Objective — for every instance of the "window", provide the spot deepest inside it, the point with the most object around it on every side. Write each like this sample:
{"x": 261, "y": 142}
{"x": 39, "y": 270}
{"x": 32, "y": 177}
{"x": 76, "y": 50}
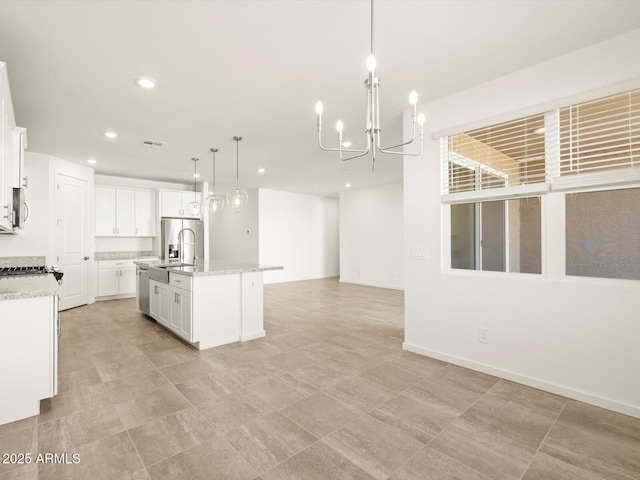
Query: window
{"x": 494, "y": 177}
{"x": 603, "y": 234}
{"x": 499, "y": 236}
{"x": 600, "y": 135}
{"x": 512, "y": 153}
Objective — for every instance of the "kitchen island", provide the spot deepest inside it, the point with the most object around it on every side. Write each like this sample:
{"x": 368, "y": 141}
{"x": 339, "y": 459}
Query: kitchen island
{"x": 211, "y": 303}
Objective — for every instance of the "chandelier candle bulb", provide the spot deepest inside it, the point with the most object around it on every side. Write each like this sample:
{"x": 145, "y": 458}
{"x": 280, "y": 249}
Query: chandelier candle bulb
{"x": 413, "y": 98}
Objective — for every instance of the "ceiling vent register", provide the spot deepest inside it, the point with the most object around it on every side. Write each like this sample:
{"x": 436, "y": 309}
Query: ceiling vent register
{"x": 152, "y": 144}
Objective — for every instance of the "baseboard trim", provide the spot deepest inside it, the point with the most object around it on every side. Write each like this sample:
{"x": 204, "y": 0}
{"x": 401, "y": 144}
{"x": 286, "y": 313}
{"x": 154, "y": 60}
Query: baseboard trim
{"x": 252, "y": 336}
{"x": 114, "y": 297}
{"x": 579, "y": 395}
{"x": 371, "y": 284}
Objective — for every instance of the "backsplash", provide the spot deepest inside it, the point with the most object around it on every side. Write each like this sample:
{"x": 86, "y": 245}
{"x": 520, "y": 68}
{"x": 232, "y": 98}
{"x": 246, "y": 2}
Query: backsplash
{"x": 100, "y": 256}
{"x": 22, "y": 261}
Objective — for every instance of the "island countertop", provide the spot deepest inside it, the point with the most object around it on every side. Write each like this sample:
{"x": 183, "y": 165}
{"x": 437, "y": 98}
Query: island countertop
{"x": 209, "y": 267}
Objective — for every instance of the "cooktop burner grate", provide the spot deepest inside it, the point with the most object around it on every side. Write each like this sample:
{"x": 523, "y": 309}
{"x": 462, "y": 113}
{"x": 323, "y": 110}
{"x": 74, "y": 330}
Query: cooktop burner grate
{"x": 17, "y": 271}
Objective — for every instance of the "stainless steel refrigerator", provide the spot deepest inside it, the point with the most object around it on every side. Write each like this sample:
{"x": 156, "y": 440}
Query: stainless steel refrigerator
{"x": 182, "y": 240}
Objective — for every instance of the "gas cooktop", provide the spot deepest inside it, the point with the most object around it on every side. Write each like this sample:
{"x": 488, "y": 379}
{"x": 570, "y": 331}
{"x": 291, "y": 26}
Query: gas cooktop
{"x": 17, "y": 271}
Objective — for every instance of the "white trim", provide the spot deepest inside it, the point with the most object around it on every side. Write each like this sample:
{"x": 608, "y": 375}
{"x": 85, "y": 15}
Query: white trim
{"x": 568, "y": 392}
{"x": 627, "y": 177}
{"x": 252, "y": 336}
{"x": 114, "y": 297}
{"x": 541, "y": 108}
{"x": 372, "y": 284}
{"x": 506, "y": 193}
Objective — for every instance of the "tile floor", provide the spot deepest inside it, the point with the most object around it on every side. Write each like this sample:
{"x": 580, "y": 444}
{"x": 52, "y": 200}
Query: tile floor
{"x": 328, "y": 394}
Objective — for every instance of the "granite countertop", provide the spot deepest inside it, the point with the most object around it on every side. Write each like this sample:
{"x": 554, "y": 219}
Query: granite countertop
{"x": 100, "y": 256}
{"x": 29, "y": 286}
{"x": 210, "y": 267}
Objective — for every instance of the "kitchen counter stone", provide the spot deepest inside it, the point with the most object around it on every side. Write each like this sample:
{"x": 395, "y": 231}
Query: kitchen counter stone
{"x": 29, "y": 286}
{"x": 100, "y": 256}
{"x": 22, "y": 261}
{"x": 210, "y": 267}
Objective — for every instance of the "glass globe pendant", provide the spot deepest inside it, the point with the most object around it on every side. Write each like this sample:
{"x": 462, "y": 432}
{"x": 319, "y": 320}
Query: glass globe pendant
{"x": 237, "y": 198}
{"x": 215, "y": 203}
{"x": 194, "y": 208}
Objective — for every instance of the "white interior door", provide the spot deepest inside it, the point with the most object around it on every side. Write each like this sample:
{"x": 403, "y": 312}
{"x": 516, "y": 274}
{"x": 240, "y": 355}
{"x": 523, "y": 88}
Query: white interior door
{"x": 71, "y": 203}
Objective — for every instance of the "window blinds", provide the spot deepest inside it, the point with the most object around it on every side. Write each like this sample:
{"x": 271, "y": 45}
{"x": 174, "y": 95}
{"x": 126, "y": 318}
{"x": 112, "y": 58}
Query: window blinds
{"x": 508, "y": 154}
{"x": 600, "y": 135}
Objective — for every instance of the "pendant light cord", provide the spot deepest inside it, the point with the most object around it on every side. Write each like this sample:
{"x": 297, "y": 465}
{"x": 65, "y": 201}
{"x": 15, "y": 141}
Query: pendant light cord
{"x": 195, "y": 171}
{"x": 237, "y": 162}
{"x": 371, "y": 27}
{"x": 214, "y": 174}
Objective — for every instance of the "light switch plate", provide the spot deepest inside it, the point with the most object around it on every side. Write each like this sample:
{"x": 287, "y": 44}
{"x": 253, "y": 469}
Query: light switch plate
{"x": 419, "y": 253}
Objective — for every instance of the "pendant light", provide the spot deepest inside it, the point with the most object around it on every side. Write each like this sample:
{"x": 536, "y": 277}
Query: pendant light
{"x": 237, "y": 198}
{"x": 215, "y": 203}
{"x": 194, "y": 207}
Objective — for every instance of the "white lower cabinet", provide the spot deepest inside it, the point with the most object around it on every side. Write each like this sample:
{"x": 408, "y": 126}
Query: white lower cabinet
{"x": 171, "y": 307}
{"x": 181, "y": 312}
{"x": 28, "y": 355}
{"x": 160, "y": 302}
{"x": 116, "y": 277}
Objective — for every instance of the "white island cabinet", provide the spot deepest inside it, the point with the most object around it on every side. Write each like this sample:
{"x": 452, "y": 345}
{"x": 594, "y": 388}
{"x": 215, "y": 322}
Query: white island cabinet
{"x": 28, "y": 345}
{"x": 210, "y": 304}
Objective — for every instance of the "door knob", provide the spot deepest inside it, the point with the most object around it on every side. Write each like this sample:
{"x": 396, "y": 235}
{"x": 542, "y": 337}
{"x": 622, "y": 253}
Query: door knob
{"x": 86, "y": 258}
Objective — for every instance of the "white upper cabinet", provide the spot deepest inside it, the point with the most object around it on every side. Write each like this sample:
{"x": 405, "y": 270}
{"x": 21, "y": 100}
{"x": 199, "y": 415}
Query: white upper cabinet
{"x": 124, "y": 212}
{"x": 175, "y": 203}
{"x": 12, "y": 145}
{"x": 145, "y": 213}
{"x": 105, "y": 212}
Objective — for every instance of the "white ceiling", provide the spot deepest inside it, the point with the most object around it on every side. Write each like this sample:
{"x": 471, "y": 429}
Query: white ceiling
{"x": 256, "y": 69}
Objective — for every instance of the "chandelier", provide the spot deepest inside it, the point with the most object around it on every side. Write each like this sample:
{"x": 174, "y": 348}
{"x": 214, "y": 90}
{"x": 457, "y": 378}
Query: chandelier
{"x": 372, "y": 133}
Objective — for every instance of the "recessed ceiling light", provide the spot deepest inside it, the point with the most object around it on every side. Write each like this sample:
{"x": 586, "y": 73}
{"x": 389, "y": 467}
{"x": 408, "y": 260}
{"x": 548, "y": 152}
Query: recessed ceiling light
{"x": 347, "y": 185}
{"x": 346, "y": 144}
{"x": 110, "y": 134}
{"x": 91, "y": 161}
{"x": 146, "y": 82}
{"x": 538, "y": 130}
{"x": 196, "y": 175}
{"x": 261, "y": 170}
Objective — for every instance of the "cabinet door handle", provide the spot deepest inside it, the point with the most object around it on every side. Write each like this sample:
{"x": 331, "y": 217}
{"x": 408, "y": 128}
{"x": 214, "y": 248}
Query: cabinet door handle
{"x": 114, "y": 230}
{"x": 136, "y": 231}
{"x": 155, "y": 289}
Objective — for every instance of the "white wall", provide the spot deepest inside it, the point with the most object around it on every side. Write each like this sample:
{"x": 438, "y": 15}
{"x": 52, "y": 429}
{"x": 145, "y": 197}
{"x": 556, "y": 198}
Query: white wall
{"x": 36, "y": 238}
{"x": 371, "y": 236}
{"x": 575, "y": 337}
{"x": 234, "y": 235}
{"x": 299, "y": 232}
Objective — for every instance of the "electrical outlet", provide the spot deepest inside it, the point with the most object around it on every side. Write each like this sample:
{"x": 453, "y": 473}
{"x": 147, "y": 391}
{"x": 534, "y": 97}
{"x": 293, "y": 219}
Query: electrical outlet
{"x": 483, "y": 335}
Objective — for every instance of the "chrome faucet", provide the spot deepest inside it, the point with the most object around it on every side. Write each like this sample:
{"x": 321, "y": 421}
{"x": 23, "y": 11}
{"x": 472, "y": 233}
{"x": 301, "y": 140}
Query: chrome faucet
{"x": 182, "y": 243}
